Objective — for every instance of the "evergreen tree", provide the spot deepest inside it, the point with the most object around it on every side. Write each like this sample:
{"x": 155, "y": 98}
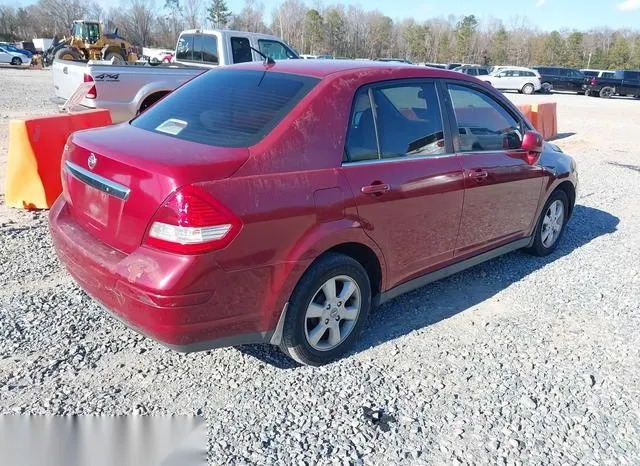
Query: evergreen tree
{"x": 218, "y": 13}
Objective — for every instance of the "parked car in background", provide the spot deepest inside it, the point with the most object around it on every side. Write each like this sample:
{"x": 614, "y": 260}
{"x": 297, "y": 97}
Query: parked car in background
{"x": 13, "y": 48}
{"x": 624, "y": 82}
{"x": 316, "y": 57}
{"x": 396, "y": 60}
{"x": 519, "y": 79}
{"x": 473, "y": 70}
{"x": 127, "y": 89}
{"x": 557, "y": 78}
{"x": 451, "y": 66}
{"x": 12, "y": 58}
{"x": 200, "y": 224}
{"x": 442, "y": 66}
{"x": 598, "y": 73}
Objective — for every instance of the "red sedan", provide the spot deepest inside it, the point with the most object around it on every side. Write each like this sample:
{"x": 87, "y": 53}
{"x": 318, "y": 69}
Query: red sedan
{"x": 279, "y": 203}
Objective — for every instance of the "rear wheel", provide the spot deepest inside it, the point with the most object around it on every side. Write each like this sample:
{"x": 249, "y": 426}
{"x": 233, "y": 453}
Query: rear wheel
{"x": 551, "y": 223}
{"x": 16, "y": 61}
{"x": 606, "y": 92}
{"x": 528, "y": 89}
{"x": 117, "y": 58}
{"x": 327, "y": 310}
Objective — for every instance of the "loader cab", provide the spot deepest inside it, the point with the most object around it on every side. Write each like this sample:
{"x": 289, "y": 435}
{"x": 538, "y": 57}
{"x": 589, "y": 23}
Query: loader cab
{"x": 86, "y": 31}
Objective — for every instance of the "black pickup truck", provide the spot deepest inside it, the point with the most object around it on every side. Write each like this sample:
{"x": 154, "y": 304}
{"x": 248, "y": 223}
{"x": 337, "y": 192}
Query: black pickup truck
{"x": 624, "y": 82}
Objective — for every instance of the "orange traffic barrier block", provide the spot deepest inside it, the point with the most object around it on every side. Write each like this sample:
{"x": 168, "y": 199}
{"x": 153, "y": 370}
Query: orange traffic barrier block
{"x": 526, "y": 111}
{"x": 35, "y": 153}
{"x": 545, "y": 119}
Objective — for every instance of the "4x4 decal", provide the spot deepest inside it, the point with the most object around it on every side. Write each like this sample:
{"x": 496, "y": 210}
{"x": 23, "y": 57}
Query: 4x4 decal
{"x": 107, "y": 77}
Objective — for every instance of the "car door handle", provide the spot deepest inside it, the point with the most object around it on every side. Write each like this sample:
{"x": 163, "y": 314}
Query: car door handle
{"x": 478, "y": 174}
{"x": 375, "y": 188}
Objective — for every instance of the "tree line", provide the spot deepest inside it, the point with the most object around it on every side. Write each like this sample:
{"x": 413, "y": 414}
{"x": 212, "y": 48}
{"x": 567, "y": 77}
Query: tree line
{"x": 340, "y": 30}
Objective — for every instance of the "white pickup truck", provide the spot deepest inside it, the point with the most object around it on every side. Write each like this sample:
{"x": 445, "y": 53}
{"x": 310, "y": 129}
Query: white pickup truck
{"x": 127, "y": 89}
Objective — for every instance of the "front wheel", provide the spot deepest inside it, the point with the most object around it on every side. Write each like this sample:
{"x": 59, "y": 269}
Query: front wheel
{"x": 327, "y": 310}
{"x": 528, "y": 89}
{"x": 547, "y": 88}
{"x": 15, "y": 61}
{"x": 551, "y": 223}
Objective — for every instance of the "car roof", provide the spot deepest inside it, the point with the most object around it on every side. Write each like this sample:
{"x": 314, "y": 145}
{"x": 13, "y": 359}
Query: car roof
{"x": 324, "y": 68}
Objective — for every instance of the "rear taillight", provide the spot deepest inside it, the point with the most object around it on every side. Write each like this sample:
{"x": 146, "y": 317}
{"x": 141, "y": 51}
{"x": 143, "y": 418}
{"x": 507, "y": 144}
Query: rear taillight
{"x": 191, "y": 221}
{"x": 91, "y": 93}
{"x": 593, "y": 81}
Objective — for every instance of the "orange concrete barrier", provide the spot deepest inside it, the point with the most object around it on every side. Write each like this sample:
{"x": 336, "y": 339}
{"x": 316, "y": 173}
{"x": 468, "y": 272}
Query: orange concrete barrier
{"x": 526, "y": 111}
{"x": 545, "y": 119}
{"x": 35, "y": 152}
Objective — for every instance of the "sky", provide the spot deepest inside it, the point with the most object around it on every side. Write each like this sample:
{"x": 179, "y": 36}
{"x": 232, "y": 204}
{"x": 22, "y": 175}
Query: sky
{"x": 545, "y": 14}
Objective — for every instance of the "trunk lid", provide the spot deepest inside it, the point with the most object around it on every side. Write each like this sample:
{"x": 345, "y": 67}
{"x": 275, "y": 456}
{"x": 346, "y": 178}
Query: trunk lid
{"x": 115, "y": 178}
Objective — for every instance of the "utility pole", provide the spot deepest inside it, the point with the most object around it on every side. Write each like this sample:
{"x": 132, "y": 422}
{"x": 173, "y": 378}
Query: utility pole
{"x": 589, "y": 61}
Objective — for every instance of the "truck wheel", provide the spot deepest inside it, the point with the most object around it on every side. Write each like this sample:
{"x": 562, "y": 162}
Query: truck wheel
{"x": 117, "y": 58}
{"x": 547, "y": 88}
{"x": 528, "y": 89}
{"x": 606, "y": 92}
{"x": 67, "y": 53}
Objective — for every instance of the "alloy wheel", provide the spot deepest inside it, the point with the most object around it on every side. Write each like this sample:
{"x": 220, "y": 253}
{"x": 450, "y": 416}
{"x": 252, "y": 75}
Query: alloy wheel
{"x": 332, "y": 313}
{"x": 552, "y": 223}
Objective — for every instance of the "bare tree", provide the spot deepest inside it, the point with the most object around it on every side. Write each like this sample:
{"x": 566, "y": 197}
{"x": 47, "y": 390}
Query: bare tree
{"x": 193, "y": 13}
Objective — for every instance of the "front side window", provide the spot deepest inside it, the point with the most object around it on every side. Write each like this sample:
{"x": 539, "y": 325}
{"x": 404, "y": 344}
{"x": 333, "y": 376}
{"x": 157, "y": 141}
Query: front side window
{"x": 483, "y": 123}
{"x": 276, "y": 50}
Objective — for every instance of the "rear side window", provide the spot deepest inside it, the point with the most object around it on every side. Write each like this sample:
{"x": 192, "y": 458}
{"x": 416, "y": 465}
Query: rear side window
{"x": 275, "y": 49}
{"x": 227, "y": 108}
{"x": 483, "y": 123}
{"x": 590, "y": 74}
{"x": 405, "y": 121}
{"x": 241, "y": 49}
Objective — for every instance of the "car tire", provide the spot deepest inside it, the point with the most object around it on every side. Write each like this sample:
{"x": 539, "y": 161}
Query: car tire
{"x": 547, "y": 88}
{"x": 528, "y": 89}
{"x": 551, "y": 224}
{"x": 606, "y": 92}
{"x": 16, "y": 61}
{"x": 316, "y": 330}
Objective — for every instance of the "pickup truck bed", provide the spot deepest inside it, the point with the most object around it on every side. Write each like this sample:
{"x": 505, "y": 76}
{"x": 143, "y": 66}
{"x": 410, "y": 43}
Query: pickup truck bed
{"x": 123, "y": 89}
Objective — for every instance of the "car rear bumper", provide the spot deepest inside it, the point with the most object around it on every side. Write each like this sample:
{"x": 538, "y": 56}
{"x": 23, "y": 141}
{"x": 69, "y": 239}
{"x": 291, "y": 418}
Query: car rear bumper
{"x": 170, "y": 298}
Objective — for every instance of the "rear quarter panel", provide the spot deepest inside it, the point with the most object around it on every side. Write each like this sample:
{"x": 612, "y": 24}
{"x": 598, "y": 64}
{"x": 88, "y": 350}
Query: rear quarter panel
{"x": 67, "y": 76}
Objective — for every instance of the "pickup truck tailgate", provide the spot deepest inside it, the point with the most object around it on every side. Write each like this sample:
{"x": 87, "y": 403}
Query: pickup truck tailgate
{"x": 67, "y": 76}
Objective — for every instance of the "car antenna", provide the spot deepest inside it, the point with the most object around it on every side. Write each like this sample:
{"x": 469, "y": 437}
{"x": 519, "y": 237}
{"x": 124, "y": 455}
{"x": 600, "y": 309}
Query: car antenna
{"x": 267, "y": 59}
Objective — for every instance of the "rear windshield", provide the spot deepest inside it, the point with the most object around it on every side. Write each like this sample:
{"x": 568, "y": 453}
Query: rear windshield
{"x": 227, "y": 108}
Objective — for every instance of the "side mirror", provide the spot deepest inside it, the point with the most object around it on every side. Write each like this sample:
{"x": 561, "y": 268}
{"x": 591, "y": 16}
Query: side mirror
{"x": 532, "y": 145}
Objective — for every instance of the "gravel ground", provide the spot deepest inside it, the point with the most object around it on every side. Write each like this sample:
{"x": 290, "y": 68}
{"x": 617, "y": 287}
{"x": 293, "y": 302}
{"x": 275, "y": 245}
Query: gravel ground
{"x": 521, "y": 360}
